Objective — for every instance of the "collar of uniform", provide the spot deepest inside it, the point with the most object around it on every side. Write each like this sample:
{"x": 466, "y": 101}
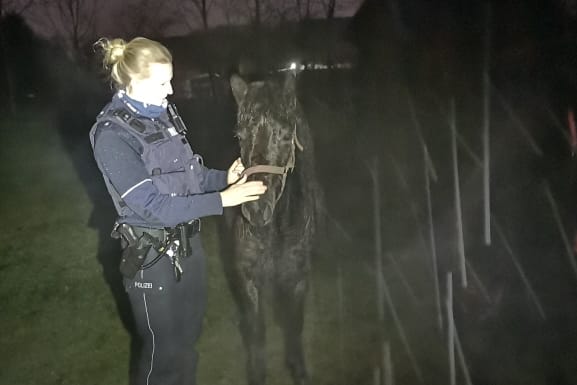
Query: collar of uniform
{"x": 143, "y": 109}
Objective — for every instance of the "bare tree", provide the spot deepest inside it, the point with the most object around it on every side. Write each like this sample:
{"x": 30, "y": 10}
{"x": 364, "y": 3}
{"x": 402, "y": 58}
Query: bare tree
{"x": 307, "y": 9}
{"x": 272, "y": 11}
{"x": 70, "y": 21}
{"x": 257, "y": 12}
{"x": 263, "y": 11}
{"x": 200, "y": 9}
{"x": 330, "y": 9}
{"x": 279, "y": 11}
{"x": 303, "y": 14}
{"x": 78, "y": 22}
{"x": 234, "y": 11}
{"x": 304, "y": 9}
{"x": 260, "y": 12}
{"x": 299, "y": 7}
{"x": 150, "y": 17}
{"x": 14, "y": 6}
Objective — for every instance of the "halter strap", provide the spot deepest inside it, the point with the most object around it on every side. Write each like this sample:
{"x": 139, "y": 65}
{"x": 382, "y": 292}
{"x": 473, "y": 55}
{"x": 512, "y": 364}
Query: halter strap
{"x": 297, "y": 142}
{"x": 268, "y": 169}
{"x": 264, "y": 169}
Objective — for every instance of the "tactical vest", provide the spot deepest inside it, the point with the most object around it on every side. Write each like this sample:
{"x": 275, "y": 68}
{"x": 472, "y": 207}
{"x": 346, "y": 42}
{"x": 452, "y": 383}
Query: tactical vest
{"x": 171, "y": 164}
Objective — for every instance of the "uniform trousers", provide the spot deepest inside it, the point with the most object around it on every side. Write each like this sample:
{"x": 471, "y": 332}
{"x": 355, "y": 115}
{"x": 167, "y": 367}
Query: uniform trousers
{"x": 168, "y": 315}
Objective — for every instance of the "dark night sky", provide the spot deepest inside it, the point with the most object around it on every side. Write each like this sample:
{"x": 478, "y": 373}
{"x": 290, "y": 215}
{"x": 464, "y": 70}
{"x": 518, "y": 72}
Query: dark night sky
{"x": 113, "y": 17}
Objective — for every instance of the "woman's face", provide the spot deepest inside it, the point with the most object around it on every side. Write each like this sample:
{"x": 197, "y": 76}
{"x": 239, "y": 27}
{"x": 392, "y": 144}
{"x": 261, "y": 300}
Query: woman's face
{"x": 155, "y": 88}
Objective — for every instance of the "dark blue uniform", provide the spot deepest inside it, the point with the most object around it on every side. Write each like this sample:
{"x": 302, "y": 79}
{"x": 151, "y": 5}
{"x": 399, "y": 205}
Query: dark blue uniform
{"x": 157, "y": 182}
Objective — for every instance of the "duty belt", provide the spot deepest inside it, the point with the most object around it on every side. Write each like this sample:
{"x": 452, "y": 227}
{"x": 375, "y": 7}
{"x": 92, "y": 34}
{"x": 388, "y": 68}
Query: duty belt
{"x": 173, "y": 242}
{"x": 181, "y": 231}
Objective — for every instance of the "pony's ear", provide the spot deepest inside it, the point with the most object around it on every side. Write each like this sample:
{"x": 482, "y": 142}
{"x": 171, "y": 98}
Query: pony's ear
{"x": 290, "y": 83}
{"x": 239, "y": 88}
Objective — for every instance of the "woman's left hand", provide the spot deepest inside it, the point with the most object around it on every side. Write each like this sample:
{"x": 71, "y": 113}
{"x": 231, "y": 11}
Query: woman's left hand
{"x": 234, "y": 171}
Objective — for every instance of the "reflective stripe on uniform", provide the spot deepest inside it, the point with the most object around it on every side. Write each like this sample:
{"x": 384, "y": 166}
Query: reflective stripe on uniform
{"x": 135, "y": 186}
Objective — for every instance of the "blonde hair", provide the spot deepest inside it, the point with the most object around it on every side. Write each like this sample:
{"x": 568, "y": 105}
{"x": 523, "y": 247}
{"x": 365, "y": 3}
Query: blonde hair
{"x": 128, "y": 60}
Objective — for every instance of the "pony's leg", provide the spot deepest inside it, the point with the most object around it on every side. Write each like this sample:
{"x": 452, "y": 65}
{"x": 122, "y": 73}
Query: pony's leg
{"x": 289, "y": 310}
{"x": 246, "y": 284}
{"x": 252, "y": 327}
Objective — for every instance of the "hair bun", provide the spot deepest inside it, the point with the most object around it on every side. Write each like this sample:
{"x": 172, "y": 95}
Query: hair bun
{"x": 113, "y": 50}
{"x": 116, "y": 50}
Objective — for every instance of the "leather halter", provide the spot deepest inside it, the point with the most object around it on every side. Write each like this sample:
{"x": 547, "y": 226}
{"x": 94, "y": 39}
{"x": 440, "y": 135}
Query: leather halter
{"x": 268, "y": 169}
{"x": 264, "y": 169}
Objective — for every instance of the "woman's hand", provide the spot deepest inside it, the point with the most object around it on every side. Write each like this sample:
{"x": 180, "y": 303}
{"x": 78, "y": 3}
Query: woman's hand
{"x": 242, "y": 191}
{"x": 234, "y": 171}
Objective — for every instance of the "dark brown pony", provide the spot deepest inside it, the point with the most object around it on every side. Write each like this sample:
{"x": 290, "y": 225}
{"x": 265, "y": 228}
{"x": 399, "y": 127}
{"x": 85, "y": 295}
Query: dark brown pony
{"x": 272, "y": 237}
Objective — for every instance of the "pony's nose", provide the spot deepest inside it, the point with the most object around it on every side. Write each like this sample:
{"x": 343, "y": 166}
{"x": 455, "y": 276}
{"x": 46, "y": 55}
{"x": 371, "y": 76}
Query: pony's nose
{"x": 267, "y": 213}
{"x": 258, "y": 213}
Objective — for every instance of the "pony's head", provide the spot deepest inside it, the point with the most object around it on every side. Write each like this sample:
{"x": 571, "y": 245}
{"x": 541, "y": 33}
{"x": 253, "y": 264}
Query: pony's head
{"x": 266, "y": 129}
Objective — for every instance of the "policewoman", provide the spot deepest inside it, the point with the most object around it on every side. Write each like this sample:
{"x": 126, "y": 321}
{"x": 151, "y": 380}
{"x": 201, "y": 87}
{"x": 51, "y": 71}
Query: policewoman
{"x": 161, "y": 190}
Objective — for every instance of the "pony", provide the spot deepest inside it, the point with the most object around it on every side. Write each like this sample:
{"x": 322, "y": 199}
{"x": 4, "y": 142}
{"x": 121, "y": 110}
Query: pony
{"x": 272, "y": 238}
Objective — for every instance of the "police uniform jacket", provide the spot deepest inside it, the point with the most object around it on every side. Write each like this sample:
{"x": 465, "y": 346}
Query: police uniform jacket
{"x": 151, "y": 172}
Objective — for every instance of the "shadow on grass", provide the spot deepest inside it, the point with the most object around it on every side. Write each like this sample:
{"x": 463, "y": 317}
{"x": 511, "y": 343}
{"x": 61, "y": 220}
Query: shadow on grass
{"x": 73, "y": 120}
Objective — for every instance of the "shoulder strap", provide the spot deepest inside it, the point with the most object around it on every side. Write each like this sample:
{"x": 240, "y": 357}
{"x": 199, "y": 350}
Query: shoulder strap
{"x": 133, "y": 126}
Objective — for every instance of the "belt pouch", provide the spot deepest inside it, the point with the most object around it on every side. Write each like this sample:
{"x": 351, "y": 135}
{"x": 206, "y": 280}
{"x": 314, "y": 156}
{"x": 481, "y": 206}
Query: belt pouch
{"x": 132, "y": 260}
{"x": 184, "y": 240}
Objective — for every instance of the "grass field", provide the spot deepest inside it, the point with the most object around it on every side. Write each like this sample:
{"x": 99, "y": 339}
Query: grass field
{"x": 59, "y": 323}
{"x": 59, "y": 320}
